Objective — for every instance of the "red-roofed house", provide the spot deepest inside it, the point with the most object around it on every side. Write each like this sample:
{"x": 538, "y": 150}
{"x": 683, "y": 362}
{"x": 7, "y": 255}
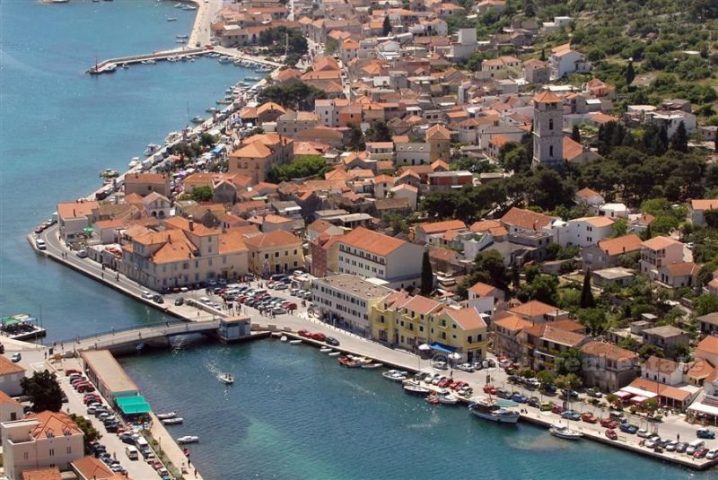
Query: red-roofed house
{"x": 484, "y": 297}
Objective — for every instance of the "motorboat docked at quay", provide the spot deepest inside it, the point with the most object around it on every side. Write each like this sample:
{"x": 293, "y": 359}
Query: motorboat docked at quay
{"x": 490, "y": 410}
{"x": 415, "y": 388}
{"x": 166, "y": 415}
{"x": 562, "y": 431}
{"x": 395, "y": 375}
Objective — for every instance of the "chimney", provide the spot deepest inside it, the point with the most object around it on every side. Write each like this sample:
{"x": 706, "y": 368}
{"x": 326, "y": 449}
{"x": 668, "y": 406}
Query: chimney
{"x": 191, "y": 224}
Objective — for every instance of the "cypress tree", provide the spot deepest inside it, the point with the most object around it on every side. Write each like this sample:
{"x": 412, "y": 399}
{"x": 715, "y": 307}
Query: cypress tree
{"x": 386, "y": 27}
{"x": 587, "y": 300}
{"x": 427, "y": 275}
{"x": 576, "y": 134}
{"x": 630, "y": 73}
{"x": 679, "y": 140}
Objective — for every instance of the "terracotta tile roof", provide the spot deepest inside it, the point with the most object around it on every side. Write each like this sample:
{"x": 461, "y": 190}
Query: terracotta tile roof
{"x": 597, "y": 222}
{"x": 252, "y": 150}
{"x": 525, "y": 219}
{"x": 700, "y": 369}
{"x": 53, "y": 424}
{"x": 269, "y": 106}
{"x": 231, "y": 242}
{"x": 661, "y": 389}
{"x": 571, "y": 148}
{"x": 704, "y": 204}
{"x": 556, "y": 335}
{"x": 513, "y": 323}
{"x": 68, "y": 210}
{"x": 272, "y": 240}
{"x": 49, "y": 473}
{"x": 145, "y": 178}
{"x": 659, "y": 243}
{"x": 620, "y": 245}
{"x": 484, "y": 225}
{"x": 534, "y": 308}
{"x": 175, "y": 251}
{"x": 662, "y": 365}
{"x": 482, "y": 289}
{"x": 546, "y": 96}
{"x": 708, "y": 345}
{"x": 466, "y": 318}
{"x": 6, "y": 399}
{"x": 438, "y": 132}
{"x": 683, "y": 269}
{"x": 94, "y": 468}
{"x": 9, "y": 368}
{"x": 439, "y": 227}
{"x": 189, "y": 226}
{"x": 607, "y": 350}
{"x": 421, "y": 305}
{"x": 569, "y": 325}
{"x": 371, "y": 241}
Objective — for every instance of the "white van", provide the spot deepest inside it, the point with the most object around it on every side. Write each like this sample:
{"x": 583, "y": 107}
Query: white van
{"x": 694, "y": 445}
{"x": 132, "y": 452}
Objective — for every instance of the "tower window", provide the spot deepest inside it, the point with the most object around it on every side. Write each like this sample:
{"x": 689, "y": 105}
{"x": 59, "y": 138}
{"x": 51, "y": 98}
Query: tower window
{"x": 550, "y": 123}
{"x": 550, "y": 151}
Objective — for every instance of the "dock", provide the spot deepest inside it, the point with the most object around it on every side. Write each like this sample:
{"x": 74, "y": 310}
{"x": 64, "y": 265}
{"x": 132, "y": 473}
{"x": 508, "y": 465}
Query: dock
{"x": 108, "y": 65}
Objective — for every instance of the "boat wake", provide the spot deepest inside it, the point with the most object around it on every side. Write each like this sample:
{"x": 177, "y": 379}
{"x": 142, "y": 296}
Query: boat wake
{"x": 433, "y": 422}
{"x": 8, "y": 61}
{"x": 359, "y": 388}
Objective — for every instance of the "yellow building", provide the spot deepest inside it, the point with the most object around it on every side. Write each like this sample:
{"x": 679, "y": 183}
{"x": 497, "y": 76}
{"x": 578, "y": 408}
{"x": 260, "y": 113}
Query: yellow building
{"x": 408, "y": 322}
{"x": 274, "y": 252}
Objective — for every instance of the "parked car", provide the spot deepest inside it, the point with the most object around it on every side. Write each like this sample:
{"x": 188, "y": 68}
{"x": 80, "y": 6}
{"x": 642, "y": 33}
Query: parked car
{"x": 628, "y": 428}
{"x": 179, "y": 301}
{"x": 332, "y": 341}
{"x": 534, "y": 402}
{"x": 609, "y": 423}
{"x": 557, "y": 409}
{"x": 705, "y": 433}
{"x": 546, "y": 407}
{"x": 589, "y": 417}
{"x": 571, "y": 415}
{"x": 712, "y": 454}
{"x": 681, "y": 447}
{"x": 519, "y": 398}
{"x": 611, "y": 434}
{"x": 16, "y": 357}
{"x": 701, "y": 452}
{"x": 643, "y": 433}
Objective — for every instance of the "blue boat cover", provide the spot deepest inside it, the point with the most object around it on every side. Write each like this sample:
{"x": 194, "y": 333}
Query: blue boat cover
{"x": 442, "y": 348}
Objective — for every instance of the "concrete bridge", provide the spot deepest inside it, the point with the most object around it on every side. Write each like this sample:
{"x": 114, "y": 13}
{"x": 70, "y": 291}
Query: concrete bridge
{"x": 136, "y": 338}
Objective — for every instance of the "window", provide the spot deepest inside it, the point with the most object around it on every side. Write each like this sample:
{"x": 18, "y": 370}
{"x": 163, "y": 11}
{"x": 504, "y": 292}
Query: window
{"x": 51, "y": 452}
{"x": 550, "y": 151}
{"x": 69, "y": 450}
{"x": 550, "y": 123}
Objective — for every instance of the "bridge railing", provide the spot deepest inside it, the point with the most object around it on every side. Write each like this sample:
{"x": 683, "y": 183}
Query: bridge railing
{"x": 126, "y": 329}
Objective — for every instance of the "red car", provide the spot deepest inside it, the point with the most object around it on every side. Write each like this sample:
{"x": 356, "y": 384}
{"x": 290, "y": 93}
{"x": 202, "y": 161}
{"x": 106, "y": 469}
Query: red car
{"x": 700, "y": 453}
{"x": 609, "y": 423}
{"x": 589, "y": 417}
{"x": 304, "y": 333}
{"x": 319, "y": 337}
{"x": 70, "y": 371}
{"x": 557, "y": 409}
{"x": 611, "y": 434}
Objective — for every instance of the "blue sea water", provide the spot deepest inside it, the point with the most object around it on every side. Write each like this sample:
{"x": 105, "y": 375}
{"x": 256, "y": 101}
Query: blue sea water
{"x": 292, "y": 414}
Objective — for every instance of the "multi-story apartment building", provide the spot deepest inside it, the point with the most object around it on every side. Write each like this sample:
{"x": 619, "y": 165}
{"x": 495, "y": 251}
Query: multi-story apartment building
{"x": 658, "y": 252}
{"x": 257, "y": 154}
{"x": 45, "y": 439}
{"x": 274, "y": 252}
{"x": 369, "y": 254}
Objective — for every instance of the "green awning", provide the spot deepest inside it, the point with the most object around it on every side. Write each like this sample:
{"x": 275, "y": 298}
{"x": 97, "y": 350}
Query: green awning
{"x": 133, "y": 405}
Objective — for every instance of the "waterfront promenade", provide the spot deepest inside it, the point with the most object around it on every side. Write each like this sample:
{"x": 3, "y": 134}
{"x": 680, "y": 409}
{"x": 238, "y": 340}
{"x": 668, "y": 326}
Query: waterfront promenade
{"x": 672, "y": 427}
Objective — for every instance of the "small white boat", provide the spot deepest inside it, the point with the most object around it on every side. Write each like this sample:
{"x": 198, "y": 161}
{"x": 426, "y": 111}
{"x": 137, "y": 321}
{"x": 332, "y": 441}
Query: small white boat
{"x": 562, "y": 431}
{"x": 183, "y": 35}
{"x": 325, "y": 349}
{"x": 166, "y": 415}
{"x": 171, "y": 19}
{"x": 188, "y": 439}
{"x": 448, "y": 399}
{"x": 178, "y": 5}
{"x": 372, "y": 366}
{"x": 416, "y": 389}
{"x": 334, "y": 354}
{"x": 197, "y": 119}
{"x": 151, "y": 148}
{"x": 295, "y": 342}
{"x": 394, "y": 375}
{"x": 134, "y": 162}
{"x": 226, "y": 378}
{"x": 173, "y": 421}
{"x": 283, "y": 339}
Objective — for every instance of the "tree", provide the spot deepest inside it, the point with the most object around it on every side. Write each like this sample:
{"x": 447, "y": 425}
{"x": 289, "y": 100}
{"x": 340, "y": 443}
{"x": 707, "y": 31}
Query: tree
{"x": 570, "y": 381}
{"x": 594, "y": 319}
{"x": 90, "y": 432}
{"x": 427, "y": 275}
{"x": 679, "y": 140}
{"x": 356, "y": 139}
{"x": 706, "y": 304}
{"x": 569, "y": 361}
{"x": 203, "y": 193}
{"x": 295, "y": 95}
{"x": 587, "y": 300}
{"x": 490, "y": 266}
{"x": 302, "y": 167}
{"x": 44, "y": 391}
{"x": 386, "y": 26}
{"x": 576, "y": 134}
{"x": 546, "y": 377}
{"x": 629, "y": 74}
{"x": 715, "y": 142}
{"x": 378, "y": 132}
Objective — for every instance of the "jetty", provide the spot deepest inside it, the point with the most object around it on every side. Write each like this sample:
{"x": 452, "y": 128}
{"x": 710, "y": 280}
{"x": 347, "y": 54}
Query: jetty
{"x": 109, "y": 64}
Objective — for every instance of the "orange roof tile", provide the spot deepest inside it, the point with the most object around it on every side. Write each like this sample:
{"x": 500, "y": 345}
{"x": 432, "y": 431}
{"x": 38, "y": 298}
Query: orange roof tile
{"x": 466, "y": 318}
{"x": 272, "y": 240}
{"x": 534, "y": 308}
{"x": 482, "y": 289}
{"x": 526, "y": 219}
{"x": 704, "y": 204}
{"x": 608, "y": 350}
{"x": 49, "y": 473}
{"x": 439, "y": 227}
{"x": 620, "y": 245}
{"x": 53, "y": 424}
{"x": 659, "y": 243}
{"x": 546, "y": 96}
{"x": 8, "y": 368}
{"x": 371, "y": 241}
{"x": 513, "y": 323}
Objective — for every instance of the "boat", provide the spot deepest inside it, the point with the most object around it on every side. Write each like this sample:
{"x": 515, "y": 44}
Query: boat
{"x": 372, "y": 366}
{"x": 448, "y": 399}
{"x": 325, "y": 349}
{"x": 295, "y": 342}
{"x": 226, "y": 378}
{"x": 173, "y": 421}
{"x": 432, "y": 399}
{"x": 134, "y": 162}
{"x": 60, "y": 1}
{"x": 224, "y": 60}
{"x": 416, "y": 389}
{"x": 489, "y": 410}
{"x": 151, "y": 148}
{"x": 394, "y": 375}
{"x": 212, "y": 110}
{"x": 197, "y": 119}
{"x": 348, "y": 361}
{"x": 21, "y": 326}
{"x": 109, "y": 173}
{"x": 189, "y": 7}
{"x": 178, "y": 5}
{"x": 125, "y": 66}
{"x": 283, "y": 338}
{"x": 562, "y": 431}
{"x": 171, "y": 19}
{"x": 334, "y": 354}
{"x": 181, "y": 40}
{"x": 183, "y": 36}
{"x": 166, "y": 415}
{"x": 188, "y": 439}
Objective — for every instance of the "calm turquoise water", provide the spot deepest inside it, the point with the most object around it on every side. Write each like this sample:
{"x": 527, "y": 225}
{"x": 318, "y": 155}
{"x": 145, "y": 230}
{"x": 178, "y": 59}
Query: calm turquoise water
{"x": 292, "y": 413}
